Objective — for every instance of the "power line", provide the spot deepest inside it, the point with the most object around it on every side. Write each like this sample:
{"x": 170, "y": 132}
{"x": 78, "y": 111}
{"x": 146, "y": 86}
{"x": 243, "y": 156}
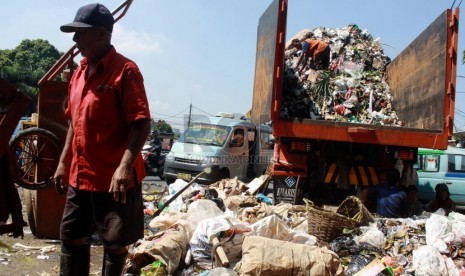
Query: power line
{"x": 453, "y": 3}
{"x": 171, "y": 116}
{"x": 203, "y": 111}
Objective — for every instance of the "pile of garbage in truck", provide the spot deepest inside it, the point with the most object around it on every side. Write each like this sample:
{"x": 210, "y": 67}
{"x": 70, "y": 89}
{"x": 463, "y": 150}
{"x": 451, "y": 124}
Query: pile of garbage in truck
{"x": 235, "y": 228}
{"x": 353, "y": 89}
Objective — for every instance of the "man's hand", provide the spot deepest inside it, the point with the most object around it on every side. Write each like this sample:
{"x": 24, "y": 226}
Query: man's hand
{"x": 58, "y": 179}
{"x": 120, "y": 182}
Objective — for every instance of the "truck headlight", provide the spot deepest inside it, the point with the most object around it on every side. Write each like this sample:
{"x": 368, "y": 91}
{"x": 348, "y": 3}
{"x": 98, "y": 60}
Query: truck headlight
{"x": 211, "y": 160}
{"x": 170, "y": 156}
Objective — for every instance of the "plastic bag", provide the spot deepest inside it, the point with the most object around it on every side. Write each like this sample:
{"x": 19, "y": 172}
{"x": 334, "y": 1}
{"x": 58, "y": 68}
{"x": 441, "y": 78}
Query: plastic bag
{"x": 428, "y": 261}
{"x": 219, "y": 271}
{"x": 438, "y": 232}
{"x": 173, "y": 189}
{"x": 274, "y": 228}
{"x": 163, "y": 222}
{"x": 457, "y": 221}
{"x": 201, "y": 246}
{"x": 372, "y": 236}
{"x": 353, "y": 69}
{"x": 202, "y": 209}
{"x": 357, "y": 263}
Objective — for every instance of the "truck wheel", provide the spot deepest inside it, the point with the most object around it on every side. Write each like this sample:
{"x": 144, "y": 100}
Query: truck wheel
{"x": 169, "y": 180}
{"x": 223, "y": 174}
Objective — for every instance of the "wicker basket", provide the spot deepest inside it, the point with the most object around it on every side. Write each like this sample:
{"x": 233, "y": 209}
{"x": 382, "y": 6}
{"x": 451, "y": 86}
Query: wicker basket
{"x": 326, "y": 225}
{"x": 353, "y": 208}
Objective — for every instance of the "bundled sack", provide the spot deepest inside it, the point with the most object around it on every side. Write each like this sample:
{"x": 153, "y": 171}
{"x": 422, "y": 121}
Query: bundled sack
{"x": 263, "y": 256}
{"x": 169, "y": 247}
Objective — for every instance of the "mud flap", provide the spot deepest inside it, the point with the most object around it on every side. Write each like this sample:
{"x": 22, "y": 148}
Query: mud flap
{"x": 288, "y": 189}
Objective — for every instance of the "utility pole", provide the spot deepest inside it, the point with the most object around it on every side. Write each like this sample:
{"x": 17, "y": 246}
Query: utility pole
{"x": 190, "y": 113}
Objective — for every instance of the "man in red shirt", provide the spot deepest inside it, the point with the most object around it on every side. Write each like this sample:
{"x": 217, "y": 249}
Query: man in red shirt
{"x": 101, "y": 161}
{"x": 319, "y": 52}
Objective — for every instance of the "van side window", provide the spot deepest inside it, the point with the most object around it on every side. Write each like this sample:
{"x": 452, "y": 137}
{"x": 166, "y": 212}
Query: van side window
{"x": 237, "y": 139}
{"x": 456, "y": 163}
{"x": 264, "y": 140}
{"x": 429, "y": 162}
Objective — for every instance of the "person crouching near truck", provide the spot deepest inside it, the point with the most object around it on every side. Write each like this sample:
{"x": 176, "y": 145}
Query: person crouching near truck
{"x": 110, "y": 122}
{"x": 442, "y": 200}
{"x": 392, "y": 199}
{"x": 317, "y": 51}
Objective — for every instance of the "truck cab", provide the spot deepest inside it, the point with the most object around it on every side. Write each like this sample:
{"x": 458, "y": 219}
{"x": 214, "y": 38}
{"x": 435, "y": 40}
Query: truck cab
{"x": 234, "y": 145}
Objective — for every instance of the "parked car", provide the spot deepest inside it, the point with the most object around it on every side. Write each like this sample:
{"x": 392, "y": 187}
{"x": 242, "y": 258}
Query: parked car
{"x": 441, "y": 166}
{"x": 234, "y": 145}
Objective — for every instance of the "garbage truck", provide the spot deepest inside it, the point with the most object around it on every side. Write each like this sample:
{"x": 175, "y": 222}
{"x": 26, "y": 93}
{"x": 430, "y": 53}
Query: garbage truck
{"x": 313, "y": 156}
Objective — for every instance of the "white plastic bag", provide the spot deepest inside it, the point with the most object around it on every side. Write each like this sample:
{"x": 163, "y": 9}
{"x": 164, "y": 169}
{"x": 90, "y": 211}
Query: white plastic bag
{"x": 428, "y": 261}
{"x": 165, "y": 221}
{"x": 201, "y": 245}
{"x": 173, "y": 189}
{"x": 202, "y": 209}
{"x": 275, "y": 228}
{"x": 372, "y": 236}
{"x": 438, "y": 232}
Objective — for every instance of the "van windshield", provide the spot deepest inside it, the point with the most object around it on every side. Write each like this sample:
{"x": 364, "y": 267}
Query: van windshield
{"x": 205, "y": 134}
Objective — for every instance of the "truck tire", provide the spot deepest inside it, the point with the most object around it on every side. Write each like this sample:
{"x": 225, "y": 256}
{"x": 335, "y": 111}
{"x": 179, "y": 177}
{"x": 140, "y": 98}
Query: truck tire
{"x": 223, "y": 174}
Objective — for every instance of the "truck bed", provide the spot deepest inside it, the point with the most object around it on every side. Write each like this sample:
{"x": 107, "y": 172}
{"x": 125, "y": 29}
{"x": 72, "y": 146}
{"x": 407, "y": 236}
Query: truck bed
{"x": 421, "y": 78}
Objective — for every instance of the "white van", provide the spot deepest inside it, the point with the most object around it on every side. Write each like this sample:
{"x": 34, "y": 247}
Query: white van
{"x": 235, "y": 146}
{"x": 442, "y": 166}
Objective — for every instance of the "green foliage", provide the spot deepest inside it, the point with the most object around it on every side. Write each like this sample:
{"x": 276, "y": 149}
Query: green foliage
{"x": 162, "y": 126}
{"x": 26, "y": 64}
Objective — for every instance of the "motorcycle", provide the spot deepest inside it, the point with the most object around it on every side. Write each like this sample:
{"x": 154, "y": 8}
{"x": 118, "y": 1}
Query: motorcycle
{"x": 153, "y": 166}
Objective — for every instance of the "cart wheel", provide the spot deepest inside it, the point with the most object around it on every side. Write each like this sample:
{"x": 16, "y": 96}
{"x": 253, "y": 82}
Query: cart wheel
{"x": 36, "y": 153}
{"x": 29, "y": 200}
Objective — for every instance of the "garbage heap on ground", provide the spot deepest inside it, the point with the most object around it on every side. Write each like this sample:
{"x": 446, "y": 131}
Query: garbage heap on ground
{"x": 230, "y": 228}
{"x": 353, "y": 89}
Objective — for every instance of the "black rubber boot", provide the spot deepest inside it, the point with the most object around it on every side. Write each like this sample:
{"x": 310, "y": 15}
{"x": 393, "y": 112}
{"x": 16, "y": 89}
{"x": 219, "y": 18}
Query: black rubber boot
{"x": 113, "y": 264}
{"x": 74, "y": 260}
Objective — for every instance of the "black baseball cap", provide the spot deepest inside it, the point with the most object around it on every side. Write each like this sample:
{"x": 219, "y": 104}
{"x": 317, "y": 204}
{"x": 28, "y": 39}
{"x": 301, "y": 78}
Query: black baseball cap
{"x": 91, "y": 15}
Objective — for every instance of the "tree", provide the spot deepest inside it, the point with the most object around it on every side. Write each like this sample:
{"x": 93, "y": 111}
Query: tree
{"x": 26, "y": 64}
{"x": 162, "y": 126}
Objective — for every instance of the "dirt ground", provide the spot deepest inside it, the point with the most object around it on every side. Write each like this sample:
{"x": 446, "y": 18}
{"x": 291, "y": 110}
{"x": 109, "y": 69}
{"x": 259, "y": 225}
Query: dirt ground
{"x": 31, "y": 256}
{"x": 24, "y": 261}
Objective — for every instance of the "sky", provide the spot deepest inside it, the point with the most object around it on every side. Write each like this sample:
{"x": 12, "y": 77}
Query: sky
{"x": 202, "y": 52}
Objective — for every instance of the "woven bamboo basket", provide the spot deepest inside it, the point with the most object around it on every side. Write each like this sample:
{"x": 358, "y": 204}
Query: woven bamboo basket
{"x": 353, "y": 208}
{"x": 326, "y": 225}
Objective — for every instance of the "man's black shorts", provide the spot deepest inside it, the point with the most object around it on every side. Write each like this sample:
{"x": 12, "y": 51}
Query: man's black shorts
{"x": 118, "y": 224}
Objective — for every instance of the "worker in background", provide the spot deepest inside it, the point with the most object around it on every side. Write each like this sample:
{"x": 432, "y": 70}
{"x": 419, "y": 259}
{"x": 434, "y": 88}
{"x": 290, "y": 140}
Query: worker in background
{"x": 409, "y": 175}
{"x": 415, "y": 207}
{"x": 317, "y": 51}
{"x": 442, "y": 200}
{"x": 392, "y": 199}
{"x": 101, "y": 166}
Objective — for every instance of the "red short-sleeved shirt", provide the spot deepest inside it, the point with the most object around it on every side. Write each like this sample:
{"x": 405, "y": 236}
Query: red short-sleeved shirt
{"x": 101, "y": 108}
